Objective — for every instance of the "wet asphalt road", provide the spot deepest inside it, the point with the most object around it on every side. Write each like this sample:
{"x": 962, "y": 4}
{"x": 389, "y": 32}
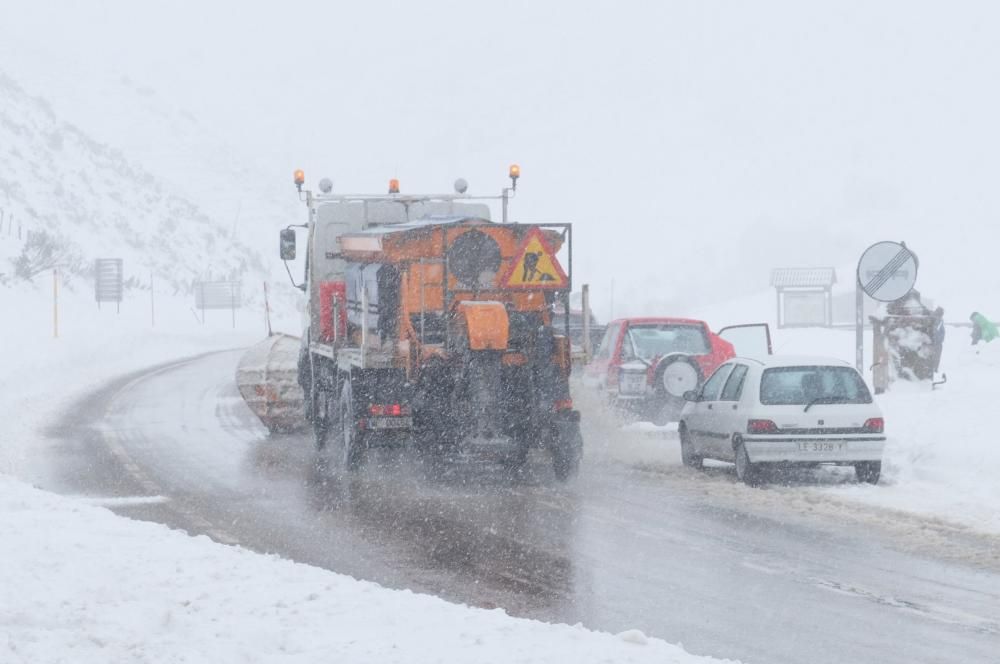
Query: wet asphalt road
{"x": 618, "y": 548}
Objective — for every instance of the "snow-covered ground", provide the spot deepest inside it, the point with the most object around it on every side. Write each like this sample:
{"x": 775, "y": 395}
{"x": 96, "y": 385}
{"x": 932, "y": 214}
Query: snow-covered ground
{"x": 82, "y": 584}
{"x": 942, "y": 457}
{"x": 160, "y": 596}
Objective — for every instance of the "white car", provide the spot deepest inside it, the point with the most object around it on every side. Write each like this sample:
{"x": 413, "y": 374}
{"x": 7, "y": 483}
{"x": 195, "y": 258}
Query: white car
{"x": 783, "y": 410}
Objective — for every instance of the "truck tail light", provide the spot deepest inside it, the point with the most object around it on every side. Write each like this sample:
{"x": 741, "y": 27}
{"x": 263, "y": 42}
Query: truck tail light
{"x": 389, "y": 409}
{"x": 761, "y": 426}
{"x": 563, "y": 404}
{"x": 875, "y": 425}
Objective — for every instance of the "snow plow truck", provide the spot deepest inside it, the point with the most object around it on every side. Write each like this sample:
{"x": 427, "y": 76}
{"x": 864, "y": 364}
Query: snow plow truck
{"x": 429, "y": 324}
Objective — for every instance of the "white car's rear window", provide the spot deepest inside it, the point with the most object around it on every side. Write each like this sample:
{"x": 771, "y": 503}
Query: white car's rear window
{"x": 812, "y": 384}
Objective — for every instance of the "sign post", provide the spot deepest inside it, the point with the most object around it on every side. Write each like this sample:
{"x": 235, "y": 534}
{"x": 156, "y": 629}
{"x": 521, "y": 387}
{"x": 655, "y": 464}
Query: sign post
{"x": 55, "y": 303}
{"x": 886, "y": 272}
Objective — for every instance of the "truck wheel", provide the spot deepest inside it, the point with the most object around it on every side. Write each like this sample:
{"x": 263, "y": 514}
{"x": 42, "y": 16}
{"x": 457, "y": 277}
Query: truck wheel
{"x": 521, "y": 448}
{"x": 567, "y": 449}
{"x": 306, "y": 382}
{"x": 746, "y": 472}
{"x": 322, "y": 420}
{"x": 352, "y": 440}
{"x": 688, "y": 457}
{"x": 868, "y": 471}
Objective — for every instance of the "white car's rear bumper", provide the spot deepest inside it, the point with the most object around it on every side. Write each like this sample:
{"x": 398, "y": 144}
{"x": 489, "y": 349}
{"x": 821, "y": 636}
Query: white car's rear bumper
{"x": 814, "y": 449}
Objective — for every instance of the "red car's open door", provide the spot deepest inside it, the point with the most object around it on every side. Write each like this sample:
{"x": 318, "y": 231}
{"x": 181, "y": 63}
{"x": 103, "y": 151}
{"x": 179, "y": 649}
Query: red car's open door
{"x": 750, "y": 340}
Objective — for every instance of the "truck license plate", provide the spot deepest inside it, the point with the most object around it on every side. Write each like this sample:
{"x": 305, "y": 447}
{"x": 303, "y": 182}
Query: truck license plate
{"x": 821, "y": 446}
{"x": 390, "y": 422}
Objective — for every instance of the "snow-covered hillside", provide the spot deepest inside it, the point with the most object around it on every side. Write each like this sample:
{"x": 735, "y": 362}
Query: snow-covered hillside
{"x": 72, "y": 199}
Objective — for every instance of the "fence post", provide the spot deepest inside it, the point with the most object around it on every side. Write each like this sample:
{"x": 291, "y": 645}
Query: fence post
{"x": 55, "y": 303}
{"x": 267, "y": 311}
{"x": 152, "y": 300}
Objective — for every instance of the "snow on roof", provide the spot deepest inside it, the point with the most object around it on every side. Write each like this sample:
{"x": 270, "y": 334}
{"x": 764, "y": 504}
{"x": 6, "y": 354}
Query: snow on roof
{"x": 801, "y": 361}
{"x": 798, "y": 277}
{"x": 392, "y": 210}
{"x": 423, "y": 222}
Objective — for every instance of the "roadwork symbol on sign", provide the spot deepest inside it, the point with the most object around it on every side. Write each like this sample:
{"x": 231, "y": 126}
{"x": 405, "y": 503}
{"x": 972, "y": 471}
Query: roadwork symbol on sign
{"x": 535, "y": 266}
{"x": 887, "y": 271}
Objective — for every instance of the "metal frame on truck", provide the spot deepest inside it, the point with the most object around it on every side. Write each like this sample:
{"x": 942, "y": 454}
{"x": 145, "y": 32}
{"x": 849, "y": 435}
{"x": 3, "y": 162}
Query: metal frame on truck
{"x": 496, "y": 351}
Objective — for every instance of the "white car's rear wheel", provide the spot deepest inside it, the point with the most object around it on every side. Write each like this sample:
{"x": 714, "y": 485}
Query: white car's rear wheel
{"x": 746, "y": 472}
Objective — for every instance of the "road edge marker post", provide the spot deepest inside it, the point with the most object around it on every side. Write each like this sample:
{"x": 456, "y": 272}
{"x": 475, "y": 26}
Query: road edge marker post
{"x": 267, "y": 311}
{"x": 55, "y": 303}
{"x": 152, "y": 300}
{"x": 859, "y": 325}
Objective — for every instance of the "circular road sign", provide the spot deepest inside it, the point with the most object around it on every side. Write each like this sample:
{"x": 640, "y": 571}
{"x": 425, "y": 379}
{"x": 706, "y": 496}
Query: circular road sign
{"x": 887, "y": 271}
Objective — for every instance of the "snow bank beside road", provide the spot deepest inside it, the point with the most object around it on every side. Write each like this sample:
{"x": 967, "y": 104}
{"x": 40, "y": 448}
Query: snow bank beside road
{"x": 85, "y": 585}
{"x": 942, "y": 457}
{"x": 81, "y": 584}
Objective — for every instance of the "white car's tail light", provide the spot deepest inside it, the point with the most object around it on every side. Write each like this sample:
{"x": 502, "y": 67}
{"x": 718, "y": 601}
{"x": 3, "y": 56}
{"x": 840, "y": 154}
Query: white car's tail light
{"x": 761, "y": 426}
{"x": 875, "y": 425}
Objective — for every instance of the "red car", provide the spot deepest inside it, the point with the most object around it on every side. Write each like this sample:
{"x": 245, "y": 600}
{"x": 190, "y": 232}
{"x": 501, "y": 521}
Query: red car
{"x": 645, "y": 365}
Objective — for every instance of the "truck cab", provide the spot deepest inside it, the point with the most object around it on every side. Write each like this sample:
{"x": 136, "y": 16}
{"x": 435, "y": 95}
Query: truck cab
{"x": 333, "y": 216}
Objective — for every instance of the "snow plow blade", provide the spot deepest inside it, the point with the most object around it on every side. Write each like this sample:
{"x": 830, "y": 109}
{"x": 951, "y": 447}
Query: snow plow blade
{"x": 267, "y": 377}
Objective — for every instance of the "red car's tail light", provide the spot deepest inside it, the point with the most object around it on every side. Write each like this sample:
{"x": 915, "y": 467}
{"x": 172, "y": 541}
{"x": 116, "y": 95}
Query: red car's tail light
{"x": 875, "y": 425}
{"x": 761, "y": 426}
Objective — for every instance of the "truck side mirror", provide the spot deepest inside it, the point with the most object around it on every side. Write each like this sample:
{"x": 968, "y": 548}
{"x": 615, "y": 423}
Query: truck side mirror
{"x": 691, "y": 395}
{"x": 288, "y": 244}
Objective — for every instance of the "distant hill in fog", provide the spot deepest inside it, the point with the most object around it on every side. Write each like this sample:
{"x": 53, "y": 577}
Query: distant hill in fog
{"x": 81, "y": 199}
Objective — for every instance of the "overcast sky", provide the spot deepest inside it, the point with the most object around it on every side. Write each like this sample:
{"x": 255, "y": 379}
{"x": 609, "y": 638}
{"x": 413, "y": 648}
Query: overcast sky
{"x": 695, "y": 144}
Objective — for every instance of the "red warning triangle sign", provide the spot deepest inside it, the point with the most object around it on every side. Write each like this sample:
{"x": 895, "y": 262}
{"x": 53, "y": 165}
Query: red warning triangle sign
{"x": 535, "y": 266}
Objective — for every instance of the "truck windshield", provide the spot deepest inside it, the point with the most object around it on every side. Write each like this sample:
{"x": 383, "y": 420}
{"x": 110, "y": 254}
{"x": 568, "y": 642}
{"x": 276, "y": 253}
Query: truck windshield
{"x": 800, "y": 386}
{"x": 649, "y": 340}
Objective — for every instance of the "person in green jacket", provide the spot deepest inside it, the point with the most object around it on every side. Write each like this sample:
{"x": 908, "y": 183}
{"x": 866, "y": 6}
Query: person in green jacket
{"x": 982, "y": 329}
